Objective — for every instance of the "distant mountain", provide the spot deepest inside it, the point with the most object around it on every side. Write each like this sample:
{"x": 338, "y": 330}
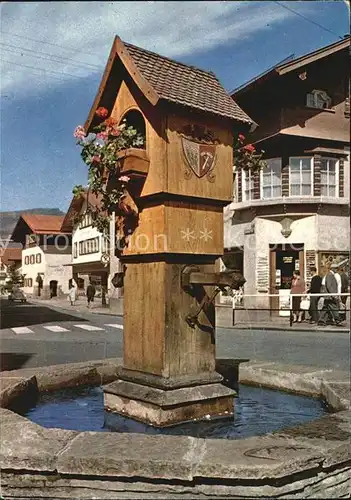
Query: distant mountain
{"x": 8, "y": 220}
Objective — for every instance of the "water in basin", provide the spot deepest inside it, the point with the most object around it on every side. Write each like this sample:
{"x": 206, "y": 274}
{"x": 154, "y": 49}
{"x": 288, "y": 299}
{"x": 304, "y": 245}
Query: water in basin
{"x": 257, "y": 411}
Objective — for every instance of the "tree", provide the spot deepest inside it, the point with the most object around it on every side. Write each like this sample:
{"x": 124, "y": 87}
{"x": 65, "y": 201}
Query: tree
{"x": 16, "y": 278}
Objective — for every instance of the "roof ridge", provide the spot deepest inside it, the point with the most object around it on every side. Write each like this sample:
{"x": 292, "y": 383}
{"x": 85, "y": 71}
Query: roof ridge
{"x": 208, "y": 72}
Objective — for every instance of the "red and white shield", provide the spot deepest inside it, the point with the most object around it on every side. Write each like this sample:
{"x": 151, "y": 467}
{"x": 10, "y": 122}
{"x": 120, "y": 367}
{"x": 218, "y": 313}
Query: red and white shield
{"x": 200, "y": 157}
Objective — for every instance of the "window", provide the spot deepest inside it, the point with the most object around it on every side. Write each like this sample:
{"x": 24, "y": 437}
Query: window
{"x": 318, "y": 99}
{"x": 75, "y": 251}
{"x": 329, "y": 173}
{"x": 26, "y": 260}
{"x": 271, "y": 180}
{"x": 86, "y": 221}
{"x": 105, "y": 244}
{"x": 32, "y": 259}
{"x": 28, "y": 282}
{"x": 235, "y": 186}
{"x": 248, "y": 185}
{"x": 38, "y": 258}
{"x": 300, "y": 176}
{"x": 89, "y": 246}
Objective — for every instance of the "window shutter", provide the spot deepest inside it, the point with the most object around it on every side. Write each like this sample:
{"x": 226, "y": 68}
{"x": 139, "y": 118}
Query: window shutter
{"x": 285, "y": 180}
{"x": 341, "y": 178}
{"x": 240, "y": 185}
{"x": 317, "y": 175}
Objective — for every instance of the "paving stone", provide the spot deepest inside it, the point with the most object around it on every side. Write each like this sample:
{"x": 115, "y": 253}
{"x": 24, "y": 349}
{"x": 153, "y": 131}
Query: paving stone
{"x": 28, "y": 446}
{"x": 256, "y": 458}
{"x": 115, "y": 454}
{"x": 18, "y": 393}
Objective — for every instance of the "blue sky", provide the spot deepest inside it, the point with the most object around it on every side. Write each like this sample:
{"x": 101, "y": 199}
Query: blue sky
{"x": 40, "y": 109}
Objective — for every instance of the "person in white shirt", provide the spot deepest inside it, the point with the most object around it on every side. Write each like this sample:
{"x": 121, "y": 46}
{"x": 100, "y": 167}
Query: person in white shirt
{"x": 335, "y": 270}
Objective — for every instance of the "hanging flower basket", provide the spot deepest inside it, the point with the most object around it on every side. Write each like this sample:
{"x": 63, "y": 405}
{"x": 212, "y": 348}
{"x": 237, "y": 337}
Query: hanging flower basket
{"x": 134, "y": 163}
{"x": 112, "y": 152}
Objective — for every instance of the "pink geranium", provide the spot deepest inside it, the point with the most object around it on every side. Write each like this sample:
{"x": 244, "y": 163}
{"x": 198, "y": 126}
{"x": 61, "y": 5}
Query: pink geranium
{"x": 115, "y": 132}
{"x": 250, "y": 148}
{"x": 96, "y": 159}
{"x": 102, "y": 135}
{"x": 79, "y": 132}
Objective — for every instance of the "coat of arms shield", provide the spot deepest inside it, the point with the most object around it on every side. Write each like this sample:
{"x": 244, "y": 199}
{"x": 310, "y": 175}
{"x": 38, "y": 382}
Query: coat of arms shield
{"x": 200, "y": 157}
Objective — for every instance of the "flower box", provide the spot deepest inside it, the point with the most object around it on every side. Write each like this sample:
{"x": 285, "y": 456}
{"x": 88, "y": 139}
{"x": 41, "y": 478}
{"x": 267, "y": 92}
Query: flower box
{"x": 134, "y": 163}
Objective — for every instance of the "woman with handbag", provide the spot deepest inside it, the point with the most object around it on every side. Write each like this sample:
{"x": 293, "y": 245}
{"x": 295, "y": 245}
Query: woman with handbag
{"x": 297, "y": 287}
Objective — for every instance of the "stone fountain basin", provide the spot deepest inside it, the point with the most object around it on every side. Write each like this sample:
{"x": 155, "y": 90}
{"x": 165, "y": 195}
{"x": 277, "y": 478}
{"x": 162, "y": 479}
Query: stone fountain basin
{"x": 311, "y": 460}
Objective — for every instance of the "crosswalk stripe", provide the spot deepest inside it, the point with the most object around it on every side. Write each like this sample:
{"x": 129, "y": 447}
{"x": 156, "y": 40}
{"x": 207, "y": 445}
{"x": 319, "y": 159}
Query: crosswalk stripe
{"x": 55, "y": 328}
{"x": 19, "y": 330}
{"x": 116, "y": 326}
{"x": 90, "y": 328}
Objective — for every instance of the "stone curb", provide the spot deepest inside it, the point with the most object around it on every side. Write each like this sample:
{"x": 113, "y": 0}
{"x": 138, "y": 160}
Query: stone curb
{"x": 288, "y": 328}
{"x": 301, "y": 462}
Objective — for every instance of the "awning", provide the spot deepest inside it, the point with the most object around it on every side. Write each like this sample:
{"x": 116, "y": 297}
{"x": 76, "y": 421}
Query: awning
{"x": 88, "y": 267}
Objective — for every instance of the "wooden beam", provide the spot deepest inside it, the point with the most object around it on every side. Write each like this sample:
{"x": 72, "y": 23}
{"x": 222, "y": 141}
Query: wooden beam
{"x": 148, "y": 91}
{"x": 118, "y": 48}
{"x": 106, "y": 74}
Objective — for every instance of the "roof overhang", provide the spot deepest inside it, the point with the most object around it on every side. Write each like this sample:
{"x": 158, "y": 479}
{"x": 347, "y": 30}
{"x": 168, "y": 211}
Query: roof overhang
{"x": 119, "y": 50}
{"x": 333, "y": 151}
{"x": 282, "y": 69}
{"x": 313, "y": 57}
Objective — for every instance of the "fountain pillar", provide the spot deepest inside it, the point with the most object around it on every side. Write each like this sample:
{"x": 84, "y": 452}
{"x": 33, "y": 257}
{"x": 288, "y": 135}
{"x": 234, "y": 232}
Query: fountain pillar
{"x": 181, "y": 182}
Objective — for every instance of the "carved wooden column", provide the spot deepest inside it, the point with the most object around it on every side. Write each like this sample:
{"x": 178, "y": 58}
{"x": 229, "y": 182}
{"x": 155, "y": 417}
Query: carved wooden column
{"x": 168, "y": 375}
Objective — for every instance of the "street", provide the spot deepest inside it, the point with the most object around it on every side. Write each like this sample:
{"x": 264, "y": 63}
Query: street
{"x": 36, "y": 335}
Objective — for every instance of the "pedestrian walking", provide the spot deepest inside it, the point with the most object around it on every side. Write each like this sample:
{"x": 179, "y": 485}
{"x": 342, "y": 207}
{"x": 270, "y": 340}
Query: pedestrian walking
{"x": 331, "y": 302}
{"x": 90, "y": 293}
{"x": 344, "y": 284}
{"x": 315, "y": 288}
{"x": 297, "y": 286}
{"x": 72, "y": 294}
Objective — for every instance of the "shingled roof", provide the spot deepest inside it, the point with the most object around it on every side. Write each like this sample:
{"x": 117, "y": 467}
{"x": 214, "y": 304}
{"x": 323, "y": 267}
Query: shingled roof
{"x": 161, "y": 78}
{"x": 186, "y": 85}
{"x": 43, "y": 224}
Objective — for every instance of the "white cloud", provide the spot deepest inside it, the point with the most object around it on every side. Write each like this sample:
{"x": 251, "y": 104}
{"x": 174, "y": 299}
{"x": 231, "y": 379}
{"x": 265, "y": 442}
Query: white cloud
{"x": 174, "y": 29}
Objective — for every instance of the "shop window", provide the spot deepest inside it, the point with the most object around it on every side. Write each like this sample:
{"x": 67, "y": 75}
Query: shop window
{"x": 271, "y": 179}
{"x": 318, "y": 99}
{"x": 329, "y": 177}
{"x": 38, "y": 258}
{"x": 301, "y": 175}
{"x": 247, "y": 185}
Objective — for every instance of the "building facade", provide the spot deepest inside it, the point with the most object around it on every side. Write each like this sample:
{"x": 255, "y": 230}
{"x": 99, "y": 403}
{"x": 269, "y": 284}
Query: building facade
{"x": 92, "y": 258}
{"x": 10, "y": 258}
{"x": 45, "y": 255}
{"x": 293, "y": 214}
